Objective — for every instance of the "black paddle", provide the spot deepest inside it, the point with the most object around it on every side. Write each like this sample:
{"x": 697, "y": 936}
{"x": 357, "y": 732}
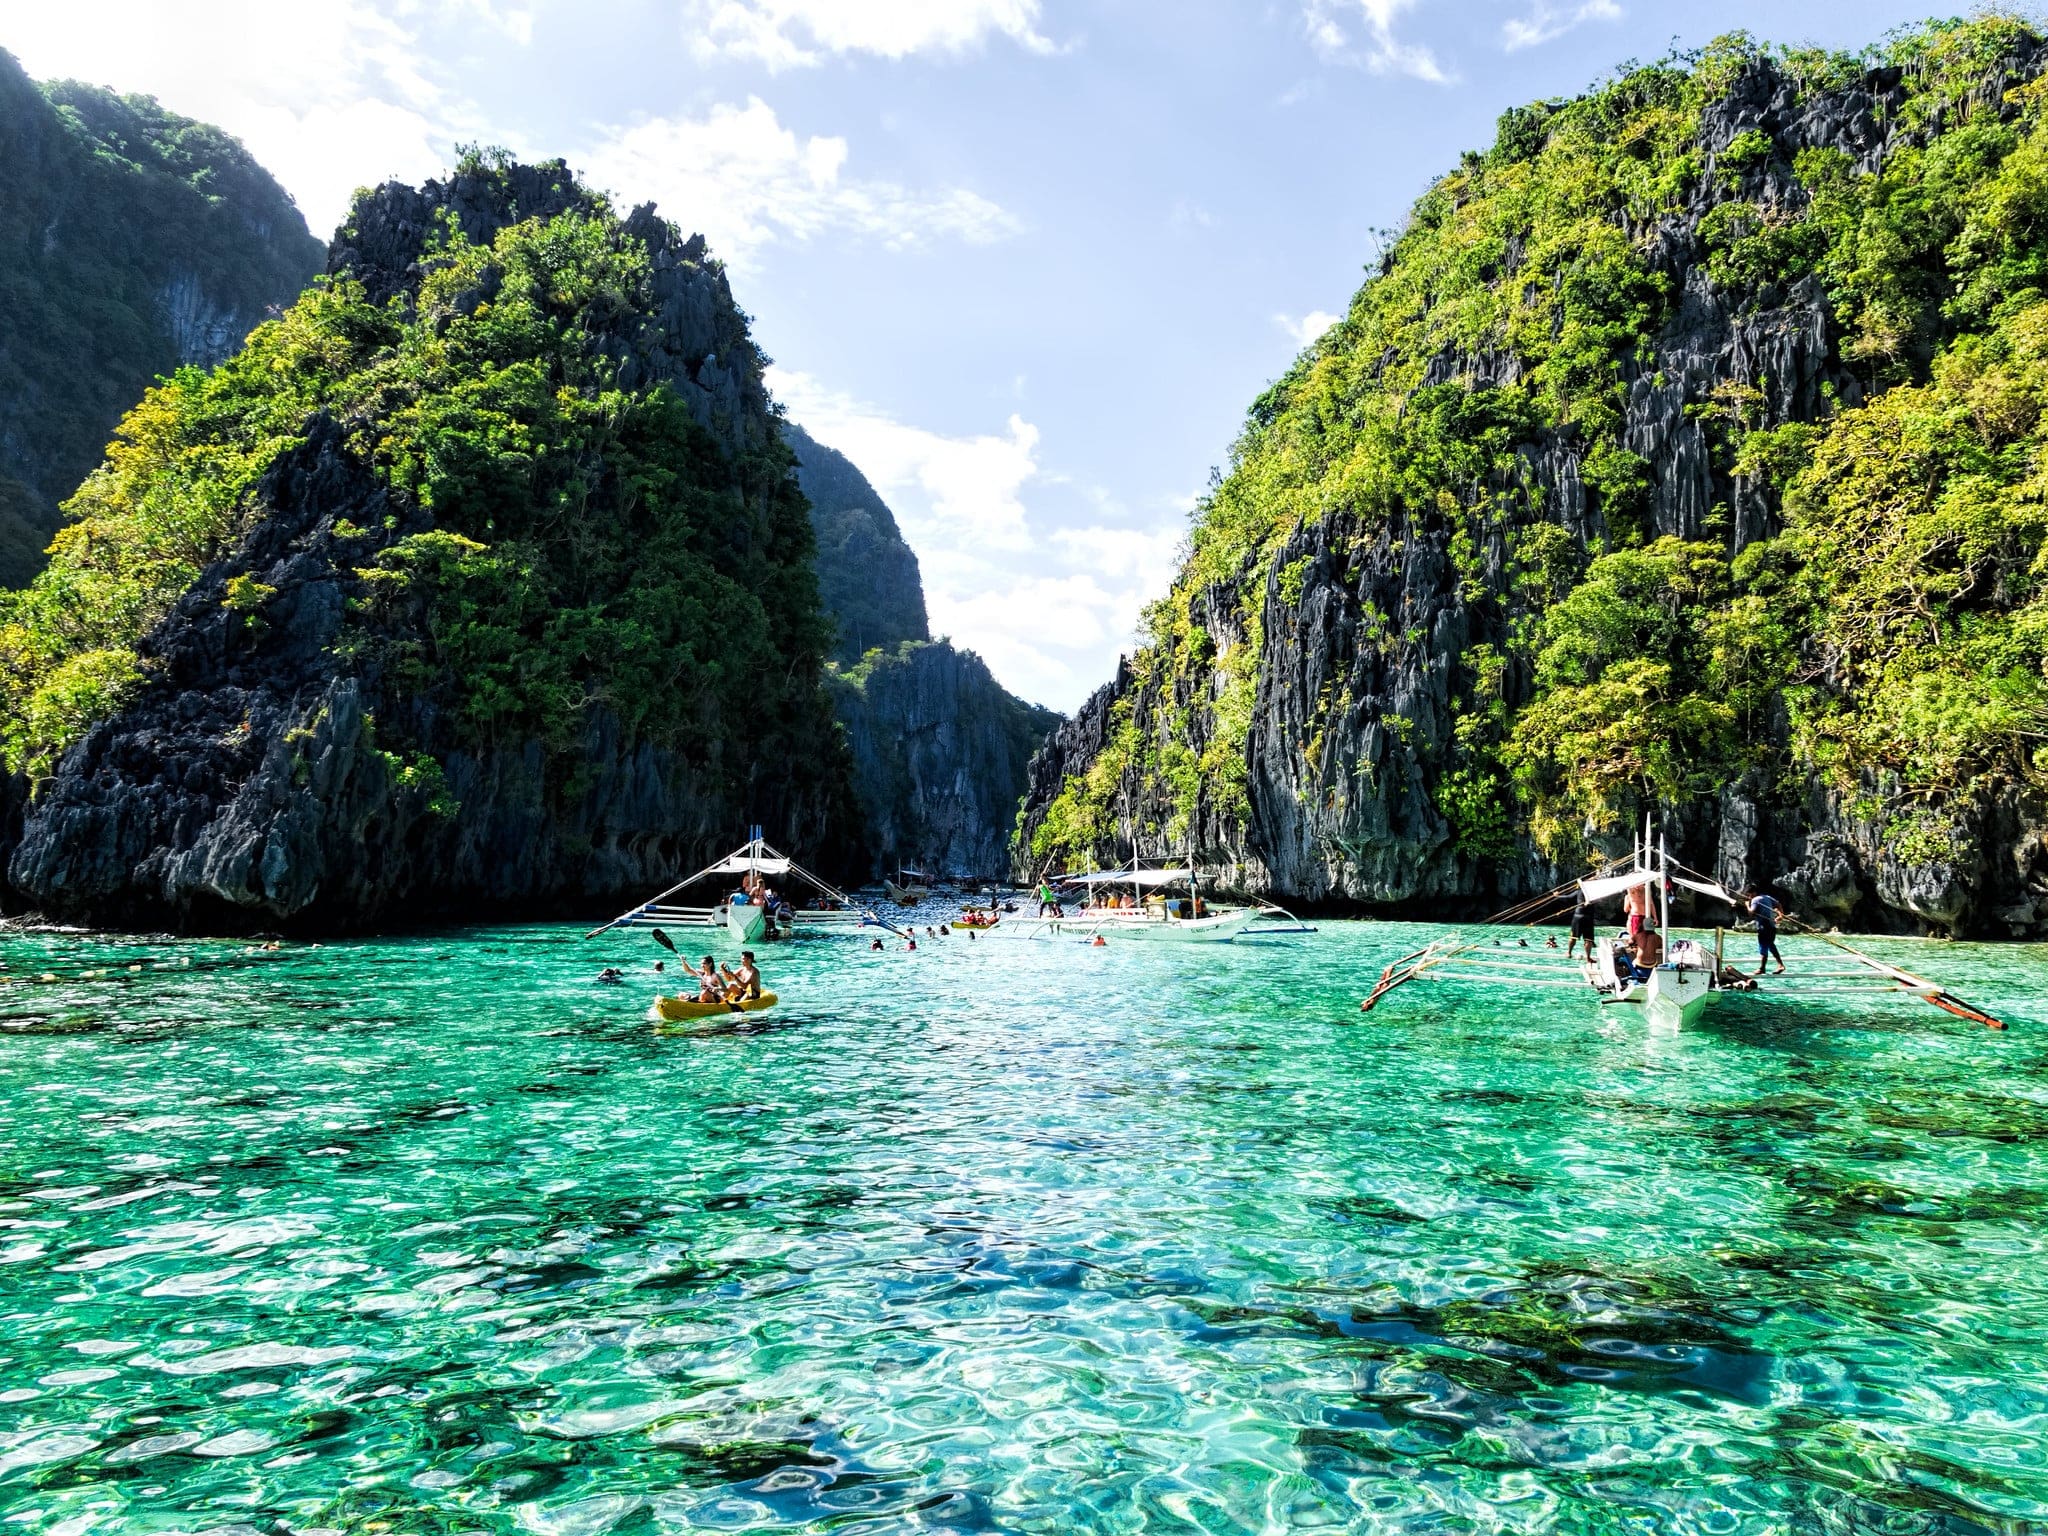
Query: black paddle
{"x": 666, "y": 943}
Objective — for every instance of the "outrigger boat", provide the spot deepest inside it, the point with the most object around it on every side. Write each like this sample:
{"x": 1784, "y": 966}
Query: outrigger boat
{"x": 908, "y": 888}
{"x": 745, "y": 919}
{"x": 1678, "y": 990}
{"x": 1155, "y": 917}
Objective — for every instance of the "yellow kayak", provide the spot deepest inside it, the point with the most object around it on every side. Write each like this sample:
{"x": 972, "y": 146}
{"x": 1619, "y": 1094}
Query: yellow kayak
{"x": 676, "y": 1009}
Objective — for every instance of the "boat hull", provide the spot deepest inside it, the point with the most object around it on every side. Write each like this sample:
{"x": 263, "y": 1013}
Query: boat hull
{"x": 1677, "y": 995}
{"x": 1219, "y": 928}
{"x": 677, "y": 1010}
{"x": 746, "y": 924}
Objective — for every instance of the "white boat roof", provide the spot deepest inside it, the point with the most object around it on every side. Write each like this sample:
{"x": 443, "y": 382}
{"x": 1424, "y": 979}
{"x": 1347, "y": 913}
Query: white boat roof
{"x": 1140, "y": 877}
{"x": 1614, "y": 885}
{"x": 740, "y": 864}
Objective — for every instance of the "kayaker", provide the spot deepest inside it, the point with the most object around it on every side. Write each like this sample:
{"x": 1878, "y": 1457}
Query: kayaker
{"x": 746, "y": 981}
{"x": 710, "y": 986}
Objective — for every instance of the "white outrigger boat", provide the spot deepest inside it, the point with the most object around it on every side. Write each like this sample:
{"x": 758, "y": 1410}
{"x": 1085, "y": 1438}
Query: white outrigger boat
{"x": 745, "y": 919}
{"x": 1676, "y": 991}
{"x": 908, "y": 888}
{"x": 1153, "y": 917}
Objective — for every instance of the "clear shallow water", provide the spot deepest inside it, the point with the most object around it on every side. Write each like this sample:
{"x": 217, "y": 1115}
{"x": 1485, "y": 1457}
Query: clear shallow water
{"x": 434, "y": 1235}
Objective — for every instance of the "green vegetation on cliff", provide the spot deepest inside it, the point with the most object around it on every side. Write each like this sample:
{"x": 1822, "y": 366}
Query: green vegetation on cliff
{"x": 1887, "y": 635}
{"x": 131, "y": 240}
{"x": 588, "y": 546}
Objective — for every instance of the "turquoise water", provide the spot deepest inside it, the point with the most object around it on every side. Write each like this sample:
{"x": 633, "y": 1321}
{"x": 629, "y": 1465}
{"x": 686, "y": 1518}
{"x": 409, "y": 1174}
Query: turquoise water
{"x": 435, "y": 1235}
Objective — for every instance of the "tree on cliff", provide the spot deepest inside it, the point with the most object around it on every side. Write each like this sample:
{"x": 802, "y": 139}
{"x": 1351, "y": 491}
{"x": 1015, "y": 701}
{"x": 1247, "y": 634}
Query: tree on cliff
{"x": 132, "y": 240}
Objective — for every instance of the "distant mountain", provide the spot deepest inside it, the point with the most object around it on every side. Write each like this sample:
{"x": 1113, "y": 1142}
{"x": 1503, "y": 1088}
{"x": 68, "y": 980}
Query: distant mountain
{"x": 940, "y": 748}
{"x": 941, "y": 754}
{"x": 867, "y": 575}
{"x": 132, "y": 241}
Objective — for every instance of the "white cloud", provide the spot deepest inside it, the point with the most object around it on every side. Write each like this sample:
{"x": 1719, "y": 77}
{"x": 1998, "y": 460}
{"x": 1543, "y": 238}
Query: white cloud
{"x": 1547, "y": 20}
{"x": 1309, "y": 327}
{"x": 1330, "y": 24}
{"x": 1048, "y": 609}
{"x": 745, "y": 180}
{"x": 326, "y": 97}
{"x": 785, "y": 34}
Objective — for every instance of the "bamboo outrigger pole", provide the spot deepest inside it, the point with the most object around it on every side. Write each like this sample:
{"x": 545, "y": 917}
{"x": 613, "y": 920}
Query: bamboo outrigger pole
{"x": 1933, "y": 992}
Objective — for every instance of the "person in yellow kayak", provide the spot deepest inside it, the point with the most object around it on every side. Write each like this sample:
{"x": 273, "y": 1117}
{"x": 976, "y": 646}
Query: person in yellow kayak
{"x": 710, "y": 985}
{"x": 744, "y": 984}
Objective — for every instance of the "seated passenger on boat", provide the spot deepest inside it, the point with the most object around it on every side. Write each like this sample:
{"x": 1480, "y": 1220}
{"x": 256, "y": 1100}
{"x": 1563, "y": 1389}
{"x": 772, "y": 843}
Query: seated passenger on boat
{"x": 1644, "y": 956}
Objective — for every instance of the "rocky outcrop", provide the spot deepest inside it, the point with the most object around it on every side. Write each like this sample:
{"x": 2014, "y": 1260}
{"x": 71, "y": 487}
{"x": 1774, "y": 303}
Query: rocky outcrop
{"x": 132, "y": 241}
{"x": 254, "y": 785}
{"x": 867, "y": 575}
{"x": 1358, "y": 675}
{"x": 693, "y": 337}
{"x": 278, "y": 769}
{"x": 940, "y": 753}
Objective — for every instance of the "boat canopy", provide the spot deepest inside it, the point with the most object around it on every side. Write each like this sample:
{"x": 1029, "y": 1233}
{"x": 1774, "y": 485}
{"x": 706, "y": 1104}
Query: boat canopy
{"x": 1712, "y": 888}
{"x": 1139, "y": 877}
{"x": 741, "y": 864}
{"x": 1614, "y": 885}
{"x": 1628, "y": 880}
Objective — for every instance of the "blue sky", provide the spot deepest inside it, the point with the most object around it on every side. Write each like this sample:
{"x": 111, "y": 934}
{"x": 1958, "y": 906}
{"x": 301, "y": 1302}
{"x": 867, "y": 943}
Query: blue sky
{"x": 1025, "y": 261}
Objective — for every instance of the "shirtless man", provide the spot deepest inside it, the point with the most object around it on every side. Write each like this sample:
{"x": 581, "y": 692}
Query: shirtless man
{"x": 1641, "y": 958}
{"x": 1636, "y": 903}
{"x": 744, "y": 984}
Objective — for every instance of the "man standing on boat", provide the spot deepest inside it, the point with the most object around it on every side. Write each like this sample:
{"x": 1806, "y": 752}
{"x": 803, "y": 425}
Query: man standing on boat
{"x": 1765, "y": 910}
{"x": 1582, "y": 928}
{"x": 1636, "y": 903}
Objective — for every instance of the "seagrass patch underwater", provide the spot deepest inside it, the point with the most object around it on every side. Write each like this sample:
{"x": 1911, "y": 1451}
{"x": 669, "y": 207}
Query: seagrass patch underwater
{"x": 435, "y": 1235}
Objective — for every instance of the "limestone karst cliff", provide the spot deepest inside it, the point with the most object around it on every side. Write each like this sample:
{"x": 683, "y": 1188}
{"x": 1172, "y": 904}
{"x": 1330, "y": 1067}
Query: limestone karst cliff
{"x": 939, "y": 747}
{"x": 506, "y": 599}
{"x": 867, "y": 574}
{"x": 940, "y": 752}
{"x": 1680, "y": 458}
{"x": 132, "y": 242}
{"x": 498, "y": 599}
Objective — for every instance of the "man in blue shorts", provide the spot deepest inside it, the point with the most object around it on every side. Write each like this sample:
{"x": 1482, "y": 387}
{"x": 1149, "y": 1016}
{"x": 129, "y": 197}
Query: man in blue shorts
{"x": 1765, "y": 910}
